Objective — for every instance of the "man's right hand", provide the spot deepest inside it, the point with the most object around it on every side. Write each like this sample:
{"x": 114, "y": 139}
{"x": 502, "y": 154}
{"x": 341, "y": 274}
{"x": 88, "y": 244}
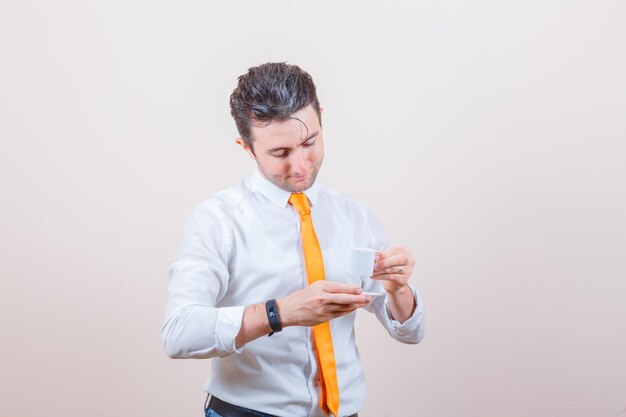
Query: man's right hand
{"x": 320, "y": 302}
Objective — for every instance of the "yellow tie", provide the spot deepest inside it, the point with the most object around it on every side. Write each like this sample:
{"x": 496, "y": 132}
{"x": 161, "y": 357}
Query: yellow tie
{"x": 329, "y": 398}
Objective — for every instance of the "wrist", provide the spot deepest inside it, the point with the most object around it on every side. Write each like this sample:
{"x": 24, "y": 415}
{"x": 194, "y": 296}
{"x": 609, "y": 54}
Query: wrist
{"x": 283, "y": 313}
{"x": 402, "y": 303}
{"x": 402, "y": 291}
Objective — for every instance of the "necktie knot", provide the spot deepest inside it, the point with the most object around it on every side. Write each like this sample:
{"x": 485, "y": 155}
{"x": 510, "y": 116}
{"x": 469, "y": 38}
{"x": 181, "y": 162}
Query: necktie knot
{"x": 300, "y": 203}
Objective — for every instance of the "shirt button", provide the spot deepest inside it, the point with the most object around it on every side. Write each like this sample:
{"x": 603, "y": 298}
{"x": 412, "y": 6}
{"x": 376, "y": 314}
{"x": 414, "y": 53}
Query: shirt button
{"x": 316, "y": 383}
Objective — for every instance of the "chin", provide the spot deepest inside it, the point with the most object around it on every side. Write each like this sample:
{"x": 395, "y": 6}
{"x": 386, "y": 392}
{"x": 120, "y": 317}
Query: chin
{"x": 292, "y": 186}
{"x": 296, "y": 188}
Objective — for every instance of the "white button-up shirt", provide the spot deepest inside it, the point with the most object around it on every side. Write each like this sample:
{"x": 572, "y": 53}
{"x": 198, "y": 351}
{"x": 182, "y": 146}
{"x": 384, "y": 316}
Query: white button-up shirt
{"x": 242, "y": 246}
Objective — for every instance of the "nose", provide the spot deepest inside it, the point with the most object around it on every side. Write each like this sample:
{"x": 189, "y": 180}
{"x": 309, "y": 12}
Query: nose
{"x": 298, "y": 163}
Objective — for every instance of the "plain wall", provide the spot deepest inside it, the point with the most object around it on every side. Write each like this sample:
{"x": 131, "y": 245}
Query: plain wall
{"x": 487, "y": 135}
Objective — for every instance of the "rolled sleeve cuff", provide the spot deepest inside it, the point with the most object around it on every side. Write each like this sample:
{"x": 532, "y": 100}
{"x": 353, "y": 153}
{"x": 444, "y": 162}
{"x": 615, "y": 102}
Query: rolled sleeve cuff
{"x": 412, "y": 323}
{"x": 227, "y": 328}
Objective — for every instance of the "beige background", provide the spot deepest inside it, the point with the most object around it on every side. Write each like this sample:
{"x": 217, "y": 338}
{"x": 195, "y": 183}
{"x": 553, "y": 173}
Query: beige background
{"x": 487, "y": 135}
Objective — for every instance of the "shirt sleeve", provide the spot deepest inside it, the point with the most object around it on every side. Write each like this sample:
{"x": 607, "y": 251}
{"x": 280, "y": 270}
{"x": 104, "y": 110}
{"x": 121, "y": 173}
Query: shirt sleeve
{"x": 412, "y": 330}
{"x": 194, "y": 327}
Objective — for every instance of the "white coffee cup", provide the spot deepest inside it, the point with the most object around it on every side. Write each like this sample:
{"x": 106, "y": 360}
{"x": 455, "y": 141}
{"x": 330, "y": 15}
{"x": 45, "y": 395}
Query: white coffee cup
{"x": 362, "y": 262}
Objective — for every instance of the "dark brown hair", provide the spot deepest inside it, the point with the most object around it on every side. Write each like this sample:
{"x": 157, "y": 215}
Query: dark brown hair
{"x": 271, "y": 92}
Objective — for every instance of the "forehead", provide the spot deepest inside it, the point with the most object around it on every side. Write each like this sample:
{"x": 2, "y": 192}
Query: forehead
{"x": 288, "y": 133}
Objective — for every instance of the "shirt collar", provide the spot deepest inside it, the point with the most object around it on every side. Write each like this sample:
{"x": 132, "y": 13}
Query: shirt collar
{"x": 276, "y": 194}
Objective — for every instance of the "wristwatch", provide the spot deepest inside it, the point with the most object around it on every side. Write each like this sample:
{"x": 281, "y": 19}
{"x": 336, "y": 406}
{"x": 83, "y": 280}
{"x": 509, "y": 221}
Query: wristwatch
{"x": 272, "y": 316}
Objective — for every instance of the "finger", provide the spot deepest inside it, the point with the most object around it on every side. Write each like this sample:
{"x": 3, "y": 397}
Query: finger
{"x": 340, "y": 287}
{"x": 396, "y": 250}
{"x": 346, "y": 299}
{"x": 345, "y": 311}
{"x": 394, "y": 270}
{"x": 338, "y": 308}
{"x": 342, "y": 309}
{"x": 387, "y": 277}
{"x": 395, "y": 260}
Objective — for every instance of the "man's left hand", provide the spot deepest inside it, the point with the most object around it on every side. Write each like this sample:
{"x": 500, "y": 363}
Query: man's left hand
{"x": 394, "y": 267}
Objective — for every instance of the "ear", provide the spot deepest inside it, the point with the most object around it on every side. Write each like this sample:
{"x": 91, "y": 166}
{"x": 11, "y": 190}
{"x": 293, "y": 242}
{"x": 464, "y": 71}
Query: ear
{"x": 245, "y": 147}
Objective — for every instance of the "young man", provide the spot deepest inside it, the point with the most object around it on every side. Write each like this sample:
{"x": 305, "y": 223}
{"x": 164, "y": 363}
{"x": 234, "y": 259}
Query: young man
{"x": 270, "y": 256}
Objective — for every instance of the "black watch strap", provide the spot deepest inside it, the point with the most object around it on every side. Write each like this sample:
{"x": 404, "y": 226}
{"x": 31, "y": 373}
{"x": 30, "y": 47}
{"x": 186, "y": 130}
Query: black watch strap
{"x": 272, "y": 316}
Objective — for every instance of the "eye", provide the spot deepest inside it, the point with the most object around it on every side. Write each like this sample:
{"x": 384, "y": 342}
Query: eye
{"x": 281, "y": 155}
{"x": 309, "y": 142}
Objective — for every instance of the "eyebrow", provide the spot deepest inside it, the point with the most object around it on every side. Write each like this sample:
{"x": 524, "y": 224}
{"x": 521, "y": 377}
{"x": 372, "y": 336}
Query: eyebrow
{"x": 311, "y": 136}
